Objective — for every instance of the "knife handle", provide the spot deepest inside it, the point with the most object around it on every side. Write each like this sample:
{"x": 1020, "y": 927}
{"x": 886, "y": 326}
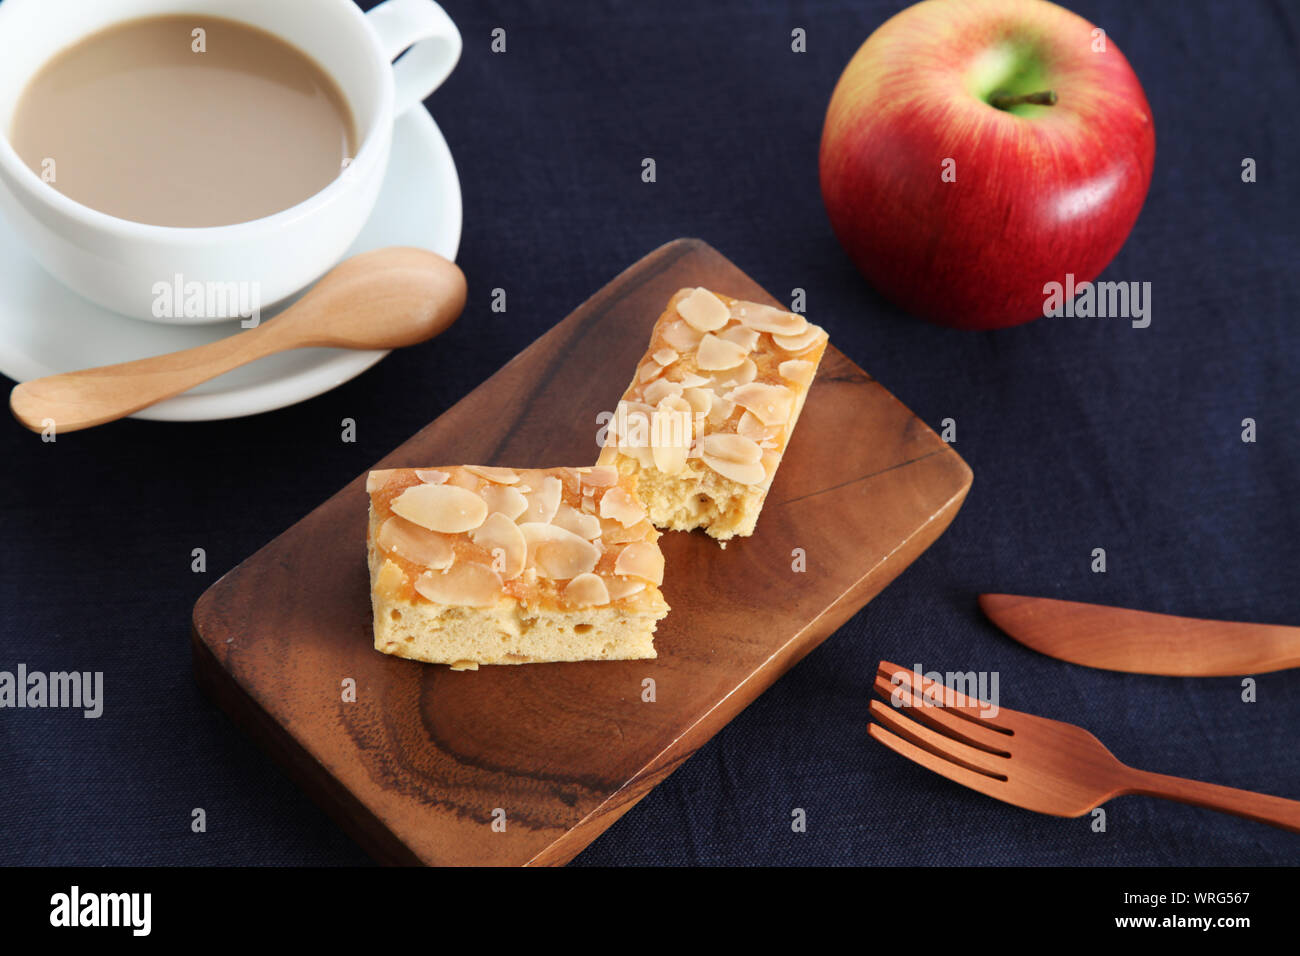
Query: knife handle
{"x": 1275, "y": 811}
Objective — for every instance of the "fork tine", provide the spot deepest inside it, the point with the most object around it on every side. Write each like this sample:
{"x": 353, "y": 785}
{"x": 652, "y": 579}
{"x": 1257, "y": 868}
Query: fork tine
{"x": 969, "y": 708}
{"x": 990, "y": 786}
{"x": 972, "y": 732}
{"x": 918, "y": 734}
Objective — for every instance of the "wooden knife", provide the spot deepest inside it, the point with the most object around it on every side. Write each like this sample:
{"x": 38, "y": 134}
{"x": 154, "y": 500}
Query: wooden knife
{"x": 1140, "y": 642}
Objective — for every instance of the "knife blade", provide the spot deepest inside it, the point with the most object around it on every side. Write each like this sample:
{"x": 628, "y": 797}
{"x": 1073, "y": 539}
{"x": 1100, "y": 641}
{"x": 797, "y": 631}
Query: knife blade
{"x": 1143, "y": 642}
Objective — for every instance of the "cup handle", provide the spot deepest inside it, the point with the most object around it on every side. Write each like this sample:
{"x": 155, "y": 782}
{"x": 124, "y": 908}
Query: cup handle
{"x": 434, "y": 44}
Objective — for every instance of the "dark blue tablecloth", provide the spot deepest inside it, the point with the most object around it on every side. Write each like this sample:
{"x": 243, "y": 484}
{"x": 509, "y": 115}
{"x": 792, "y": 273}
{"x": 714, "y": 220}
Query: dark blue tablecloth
{"x": 1082, "y": 433}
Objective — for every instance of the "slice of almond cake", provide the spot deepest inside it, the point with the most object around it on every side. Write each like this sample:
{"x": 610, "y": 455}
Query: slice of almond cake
{"x": 478, "y": 565}
{"x": 711, "y": 408}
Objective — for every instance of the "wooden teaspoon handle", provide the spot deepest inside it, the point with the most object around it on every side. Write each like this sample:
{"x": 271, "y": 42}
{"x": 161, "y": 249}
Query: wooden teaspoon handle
{"x": 381, "y": 299}
{"x": 93, "y": 396}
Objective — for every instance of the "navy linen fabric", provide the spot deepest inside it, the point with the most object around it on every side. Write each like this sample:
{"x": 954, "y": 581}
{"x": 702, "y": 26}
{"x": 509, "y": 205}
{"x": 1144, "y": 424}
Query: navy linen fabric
{"x": 1082, "y": 434}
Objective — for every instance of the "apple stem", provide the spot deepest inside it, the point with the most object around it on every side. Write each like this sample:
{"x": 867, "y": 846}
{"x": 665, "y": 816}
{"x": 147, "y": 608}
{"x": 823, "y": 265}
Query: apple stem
{"x": 1004, "y": 101}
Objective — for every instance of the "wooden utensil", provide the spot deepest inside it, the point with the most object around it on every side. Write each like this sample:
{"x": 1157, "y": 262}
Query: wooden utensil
{"x": 1141, "y": 642}
{"x": 1042, "y": 765}
{"x": 417, "y": 766}
{"x": 383, "y": 299}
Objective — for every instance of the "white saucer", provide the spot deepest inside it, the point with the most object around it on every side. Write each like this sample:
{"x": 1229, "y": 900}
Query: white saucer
{"x": 46, "y": 328}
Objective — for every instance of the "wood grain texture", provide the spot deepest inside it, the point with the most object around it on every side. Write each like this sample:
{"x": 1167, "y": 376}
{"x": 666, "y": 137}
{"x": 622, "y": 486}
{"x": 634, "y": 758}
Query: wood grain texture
{"x": 415, "y": 767}
{"x": 1143, "y": 642}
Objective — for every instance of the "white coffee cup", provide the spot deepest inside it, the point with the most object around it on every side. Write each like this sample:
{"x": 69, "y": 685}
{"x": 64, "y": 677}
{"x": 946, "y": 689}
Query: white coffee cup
{"x": 118, "y": 263}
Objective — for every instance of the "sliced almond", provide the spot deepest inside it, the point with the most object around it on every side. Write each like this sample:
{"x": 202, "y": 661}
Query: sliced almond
{"x": 665, "y": 356}
{"x": 445, "y": 508}
{"x": 557, "y": 553}
{"x": 616, "y": 533}
{"x": 669, "y": 441}
{"x": 586, "y": 590}
{"x": 747, "y": 339}
{"x": 582, "y": 524}
{"x": 631, "y": 425}
{"x": 742, "y": 374}
{"x": 431, "y": 477}
{"x": 598, "y": 476}
{"x": 389, "y": 580}
{"x": 467, "y": 584}
{"x": 700, "y": 400}
{"x": 704, "y": 311}
{"x": 640, "y": 453}
{"x": 750, "y": 474}
{"x": 691, "y": 380}
{"x": 648, "y": 371}
{"x": 764, "y": 318}
{"x": 720, "y": 411}
{"x": 620, "y": 505}
{"x": 641, "y": 559}
{"x": 737, "y": 448}
{"x": 715, "y": 354}
{"x": 680, "y": 336}
{"x": 802, "y": 341}
{"x": 619, "y": 588}
{"x": 417, "y": 545}
{"x": 501, "y": 538}
{"x": 751, "y": 427}
{"x": 544, "y": 502}
{"x": 660, "y": 389}
{"x": 770, "y": 404}
{"x": 506, "y": 499}
{"x": 797, "y": 371}
{"x": 500, "y": 476}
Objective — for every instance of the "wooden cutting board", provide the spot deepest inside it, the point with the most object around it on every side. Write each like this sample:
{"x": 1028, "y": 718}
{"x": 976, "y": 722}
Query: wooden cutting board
{"x": 424, "y": 761}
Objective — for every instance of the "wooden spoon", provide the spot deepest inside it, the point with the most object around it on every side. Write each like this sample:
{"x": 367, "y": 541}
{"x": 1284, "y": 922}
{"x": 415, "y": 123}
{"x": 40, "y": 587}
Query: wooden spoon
{"x": 384, "y": 299}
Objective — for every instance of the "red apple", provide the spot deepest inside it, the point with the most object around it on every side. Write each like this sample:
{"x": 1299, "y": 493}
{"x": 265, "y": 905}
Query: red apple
{"x": 974, "y": 152}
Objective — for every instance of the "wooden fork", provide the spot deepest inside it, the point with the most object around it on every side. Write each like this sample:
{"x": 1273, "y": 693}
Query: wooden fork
{"x": 1039, "y": 764}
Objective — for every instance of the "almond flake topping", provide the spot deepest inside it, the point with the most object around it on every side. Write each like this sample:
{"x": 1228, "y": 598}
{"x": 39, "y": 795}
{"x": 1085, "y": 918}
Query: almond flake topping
{"x": 580, "y": 523}
{"x": 466, "y": 585}
{"x": 665, "y": 356}
{"x": 747, "y": 339}
{"x": 431, "y": 477}
{"x": 797, "y": 371}
{"x": 764, "y": 318}
{"x": 803, "y": 340}
{"x": 415, "y": 544}
{"x": 770, "y": 404}
{"x": 544, "y": 502}
{"x": 717, "y": 354}
{"x": 444, "y": 508}
{"x": 599, "y": 476}
{"x": 737, "y": 448}
{"x": 501, "y": 537}
{"x": 619, "y": 588}
{"x": 641, "y": 559}
{"x": 658, "y": 390}
{"x": 745, "y": 474}
{"x": 704, "y": 311}
{"x": 586, "y": 590}
{"x": 557, "y": 553}
{"x": 507, "y": 499}
{"x": 618, "y": 504}
{"x": 501, "y": 476}
{"x": 681, "y": 336}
